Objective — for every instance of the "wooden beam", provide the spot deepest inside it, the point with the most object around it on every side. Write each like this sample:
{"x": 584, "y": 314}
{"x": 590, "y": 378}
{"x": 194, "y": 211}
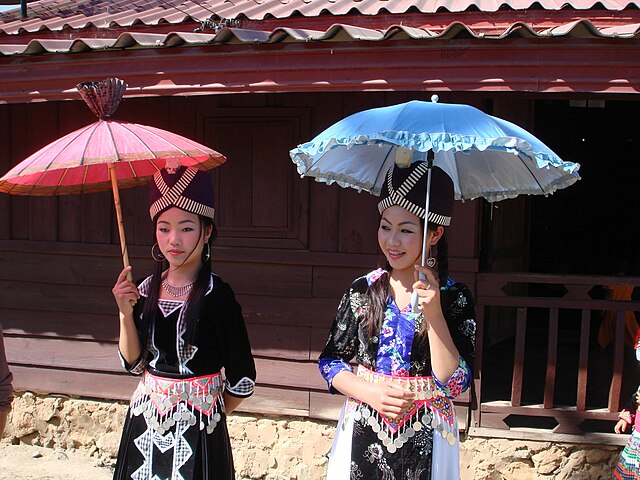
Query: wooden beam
{"x": 538, "y": 410}
{"x": 618, "y": 363}
{"x": 583, "y": 360}
{"x": 540, "y": 435}
{"x": 74, "y": 383}
{"x": 552, "y": 359}
{"x": 476, "y": 399}
{"x": 277, "y": 401}
{"x": 430, "y": 64}
{"x": 518, "y": 357}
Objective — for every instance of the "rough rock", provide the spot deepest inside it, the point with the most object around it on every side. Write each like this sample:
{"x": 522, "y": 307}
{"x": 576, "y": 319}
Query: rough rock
{"x": 287, "y": 448}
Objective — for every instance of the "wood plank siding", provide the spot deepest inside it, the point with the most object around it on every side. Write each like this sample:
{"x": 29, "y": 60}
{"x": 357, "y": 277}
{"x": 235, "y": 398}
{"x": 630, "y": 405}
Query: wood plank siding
{"x": 288, "y": 246}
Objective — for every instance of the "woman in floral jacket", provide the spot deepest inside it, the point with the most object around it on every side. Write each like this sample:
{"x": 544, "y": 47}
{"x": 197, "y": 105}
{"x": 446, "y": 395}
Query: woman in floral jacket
{"x": 398, "y": 421}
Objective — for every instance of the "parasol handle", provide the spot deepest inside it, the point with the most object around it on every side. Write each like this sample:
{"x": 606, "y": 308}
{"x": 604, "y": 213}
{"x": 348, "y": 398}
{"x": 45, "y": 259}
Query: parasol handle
{"x": 414, "y": 296}
{"x": 116, "y": 201}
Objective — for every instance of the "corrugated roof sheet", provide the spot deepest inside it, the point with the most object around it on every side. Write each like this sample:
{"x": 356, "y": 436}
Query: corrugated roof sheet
{"x": 56, "y": 15}
{"x": 338, "y": 32}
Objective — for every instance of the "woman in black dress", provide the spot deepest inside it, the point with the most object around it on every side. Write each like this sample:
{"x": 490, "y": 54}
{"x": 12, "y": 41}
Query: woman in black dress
{"x": 179, "y": 328}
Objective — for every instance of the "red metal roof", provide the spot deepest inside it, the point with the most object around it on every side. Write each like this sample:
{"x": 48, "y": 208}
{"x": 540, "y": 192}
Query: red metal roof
{"x": 513, "y": 64}
{"x": 234, "y": 36}
{"x": 58, "y": 15}
{"x": 564, "y": 50}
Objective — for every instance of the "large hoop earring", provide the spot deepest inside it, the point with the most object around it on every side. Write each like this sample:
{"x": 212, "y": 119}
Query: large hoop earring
{"x": 157, "y": 255}
{"x": 206, "y": 253}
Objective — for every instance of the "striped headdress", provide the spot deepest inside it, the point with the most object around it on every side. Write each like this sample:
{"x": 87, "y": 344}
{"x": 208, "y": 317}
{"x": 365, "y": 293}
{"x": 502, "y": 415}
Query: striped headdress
{"x": 188, "y": 188}
{"x": 407, "y": 187}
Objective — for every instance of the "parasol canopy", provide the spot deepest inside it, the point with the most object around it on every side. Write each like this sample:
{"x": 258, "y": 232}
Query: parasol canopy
{"x": 107, "y": 154}
{"x": 484, "y": 155}
{"x": 79, "y": 162}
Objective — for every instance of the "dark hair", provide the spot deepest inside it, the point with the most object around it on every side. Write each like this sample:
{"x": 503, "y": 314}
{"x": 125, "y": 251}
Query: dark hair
{"x": 195, "y": 300}
{"x": 378, "y": 294}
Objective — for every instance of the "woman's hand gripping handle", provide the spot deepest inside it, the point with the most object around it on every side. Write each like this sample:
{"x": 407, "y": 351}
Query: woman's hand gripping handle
{"x": 125, "y": 292}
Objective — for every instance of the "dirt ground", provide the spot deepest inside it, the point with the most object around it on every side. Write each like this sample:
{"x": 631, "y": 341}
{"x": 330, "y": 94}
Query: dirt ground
{"x": 24, "y": 462}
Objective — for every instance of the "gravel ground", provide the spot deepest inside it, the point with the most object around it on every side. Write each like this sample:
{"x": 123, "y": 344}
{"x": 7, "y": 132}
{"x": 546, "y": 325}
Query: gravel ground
{"x": 24, "y": 462}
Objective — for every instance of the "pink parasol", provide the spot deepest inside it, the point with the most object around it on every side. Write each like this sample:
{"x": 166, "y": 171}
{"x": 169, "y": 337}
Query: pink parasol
{"x": 106, "y": 154}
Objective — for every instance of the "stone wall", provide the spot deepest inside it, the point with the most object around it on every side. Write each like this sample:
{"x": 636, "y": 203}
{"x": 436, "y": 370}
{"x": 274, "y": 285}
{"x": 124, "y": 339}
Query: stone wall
{"x": 283, "y": 448}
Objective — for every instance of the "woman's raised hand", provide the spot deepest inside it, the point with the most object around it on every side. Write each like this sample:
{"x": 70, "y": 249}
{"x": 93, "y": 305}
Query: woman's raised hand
{"x": 389, "y": 399}
{"x": 125, "y": 292}
{"x": 428, "y": 291}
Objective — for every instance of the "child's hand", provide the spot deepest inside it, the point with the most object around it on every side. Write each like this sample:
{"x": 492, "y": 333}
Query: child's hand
{"x": 621, "y": 426}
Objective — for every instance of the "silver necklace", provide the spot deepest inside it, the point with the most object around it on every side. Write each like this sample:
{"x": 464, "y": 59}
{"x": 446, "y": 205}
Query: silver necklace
{"x": 176, "y": 291}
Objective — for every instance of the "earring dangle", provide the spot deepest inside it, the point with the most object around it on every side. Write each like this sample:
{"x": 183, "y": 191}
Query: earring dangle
{"x": 156, "y": 253}
{"x": 206, "y": 253}
{"x": 431, "y": 261}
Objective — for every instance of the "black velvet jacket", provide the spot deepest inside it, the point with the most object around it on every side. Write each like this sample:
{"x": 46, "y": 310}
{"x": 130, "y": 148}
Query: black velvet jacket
{"x": 221, "y": 340}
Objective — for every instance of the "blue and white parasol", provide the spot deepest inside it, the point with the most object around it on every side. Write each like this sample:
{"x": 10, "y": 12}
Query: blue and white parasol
{"x": 485, "y": 156}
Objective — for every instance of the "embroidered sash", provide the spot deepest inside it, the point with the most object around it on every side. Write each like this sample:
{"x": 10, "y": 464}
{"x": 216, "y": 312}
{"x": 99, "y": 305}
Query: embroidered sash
{"x": 166, "y": 401}
{"x": 395, "y": 433}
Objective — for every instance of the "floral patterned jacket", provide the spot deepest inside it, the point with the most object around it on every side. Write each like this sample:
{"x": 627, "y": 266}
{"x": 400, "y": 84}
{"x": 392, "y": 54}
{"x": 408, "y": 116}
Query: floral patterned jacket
{"x": 398, "y": 349}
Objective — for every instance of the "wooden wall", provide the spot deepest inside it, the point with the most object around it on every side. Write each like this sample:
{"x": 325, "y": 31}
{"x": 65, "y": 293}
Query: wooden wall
{"x": 288, "y": 246}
